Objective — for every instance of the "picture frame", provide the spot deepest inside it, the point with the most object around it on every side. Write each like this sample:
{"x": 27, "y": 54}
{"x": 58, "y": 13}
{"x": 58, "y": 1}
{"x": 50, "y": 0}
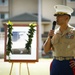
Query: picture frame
{"x": 19, "y": 37}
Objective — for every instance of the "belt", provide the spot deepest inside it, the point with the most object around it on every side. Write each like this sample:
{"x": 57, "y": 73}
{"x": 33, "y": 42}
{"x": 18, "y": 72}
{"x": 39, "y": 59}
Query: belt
{"x": 60, "y": 58}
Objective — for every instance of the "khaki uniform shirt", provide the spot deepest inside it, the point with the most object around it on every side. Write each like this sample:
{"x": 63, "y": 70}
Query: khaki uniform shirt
{"x": 64, "y": 44}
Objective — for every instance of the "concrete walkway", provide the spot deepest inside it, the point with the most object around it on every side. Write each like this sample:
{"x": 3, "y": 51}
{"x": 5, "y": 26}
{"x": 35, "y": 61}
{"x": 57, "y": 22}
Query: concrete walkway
{"x": 38, "y": 68}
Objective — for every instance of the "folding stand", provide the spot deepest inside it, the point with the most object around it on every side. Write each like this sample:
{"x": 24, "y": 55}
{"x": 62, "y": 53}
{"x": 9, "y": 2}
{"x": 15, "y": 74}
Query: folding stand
{"x": 19, "y": 69}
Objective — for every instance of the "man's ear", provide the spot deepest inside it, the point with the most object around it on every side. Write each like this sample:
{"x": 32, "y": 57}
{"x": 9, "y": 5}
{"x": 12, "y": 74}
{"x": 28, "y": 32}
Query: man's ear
{"x": 67, "y": 17}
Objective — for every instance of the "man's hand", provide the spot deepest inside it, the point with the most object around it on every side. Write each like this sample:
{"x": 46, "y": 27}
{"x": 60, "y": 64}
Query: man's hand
{"x": 51, "y": 33}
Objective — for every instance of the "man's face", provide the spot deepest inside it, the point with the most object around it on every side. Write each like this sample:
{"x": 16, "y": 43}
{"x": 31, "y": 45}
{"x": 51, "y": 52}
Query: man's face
{"x": 61, "y": 19}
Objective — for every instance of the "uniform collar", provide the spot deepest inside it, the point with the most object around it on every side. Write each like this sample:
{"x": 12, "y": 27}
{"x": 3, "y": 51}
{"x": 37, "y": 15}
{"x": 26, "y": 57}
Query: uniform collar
{"x": 66, "y": 31}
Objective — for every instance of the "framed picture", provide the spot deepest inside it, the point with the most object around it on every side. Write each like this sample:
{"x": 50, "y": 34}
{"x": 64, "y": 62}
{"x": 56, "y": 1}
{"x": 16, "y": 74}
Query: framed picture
{"x": 19, "y": 39}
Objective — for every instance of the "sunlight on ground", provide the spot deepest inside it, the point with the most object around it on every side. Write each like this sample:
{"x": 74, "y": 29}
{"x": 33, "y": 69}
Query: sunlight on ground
{"x": 38, "y": 68}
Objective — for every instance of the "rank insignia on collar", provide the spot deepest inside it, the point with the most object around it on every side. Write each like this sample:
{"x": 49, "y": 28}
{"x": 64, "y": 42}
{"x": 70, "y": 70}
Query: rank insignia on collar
{"x": 69, "y": 35}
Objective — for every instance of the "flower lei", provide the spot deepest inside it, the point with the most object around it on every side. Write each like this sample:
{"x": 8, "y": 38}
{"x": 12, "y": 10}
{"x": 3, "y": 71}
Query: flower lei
{"x": 9, "y": 42}
{"x": 30, "y": 36}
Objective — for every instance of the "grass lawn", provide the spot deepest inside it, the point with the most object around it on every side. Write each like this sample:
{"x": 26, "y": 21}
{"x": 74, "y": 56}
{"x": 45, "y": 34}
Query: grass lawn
{"x": 38, "y": 68}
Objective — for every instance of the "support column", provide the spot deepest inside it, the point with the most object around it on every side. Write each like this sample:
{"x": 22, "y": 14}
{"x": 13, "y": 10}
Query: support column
{"x": 39, "y": 23}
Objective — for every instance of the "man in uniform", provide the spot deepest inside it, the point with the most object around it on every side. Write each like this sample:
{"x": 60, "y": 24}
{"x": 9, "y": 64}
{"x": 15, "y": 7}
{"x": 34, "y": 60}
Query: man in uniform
{"x": 63, "y": 43}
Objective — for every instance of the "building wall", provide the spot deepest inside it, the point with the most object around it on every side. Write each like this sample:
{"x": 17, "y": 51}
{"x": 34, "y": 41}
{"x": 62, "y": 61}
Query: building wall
{"x": 48, "y": 11}
{"x": 48, "y": 8}
{"x": 4, "y": 9}
{"x": 31, "y": 6}
{"x": 21, "y": 6}
{"x": 72, "y": 5}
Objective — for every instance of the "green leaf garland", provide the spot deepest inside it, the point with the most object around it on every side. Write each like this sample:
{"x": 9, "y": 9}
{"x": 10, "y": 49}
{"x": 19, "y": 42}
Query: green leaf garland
{"x": 9, "y": 41}
{"x": 30, "y": 36}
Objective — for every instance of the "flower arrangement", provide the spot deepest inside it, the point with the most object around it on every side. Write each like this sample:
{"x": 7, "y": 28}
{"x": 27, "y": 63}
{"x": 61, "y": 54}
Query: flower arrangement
{"x": 9, "y": 42}
{"x": 30, "y": 35}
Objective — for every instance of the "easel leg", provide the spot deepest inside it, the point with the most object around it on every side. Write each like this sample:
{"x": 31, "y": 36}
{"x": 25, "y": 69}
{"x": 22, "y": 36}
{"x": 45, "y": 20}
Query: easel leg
{"x": 11, "y": 69}
{"x": 28, "y": 69}
{"x": 20, "y": 69}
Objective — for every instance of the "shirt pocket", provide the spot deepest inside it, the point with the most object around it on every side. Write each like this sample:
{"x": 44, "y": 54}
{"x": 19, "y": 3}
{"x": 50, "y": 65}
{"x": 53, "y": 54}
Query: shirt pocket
{"x": 65, "y": 41}
{"x": 55, "y": 39}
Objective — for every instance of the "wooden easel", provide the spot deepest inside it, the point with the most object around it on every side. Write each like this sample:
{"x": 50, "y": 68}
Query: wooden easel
{"x": 19, "y": 69}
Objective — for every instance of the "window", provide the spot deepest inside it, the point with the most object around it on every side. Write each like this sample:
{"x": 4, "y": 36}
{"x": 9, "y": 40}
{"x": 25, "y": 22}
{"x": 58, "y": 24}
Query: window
{"x": 72, "y": 0}
{"x": 2, "y": 29}
{"x": 3, "y": 15}
{"x": 73, "y": 14}
{"x": 6, "y": 15}
{"x": 3, "y": 2}
{"x": 73, "y": 25}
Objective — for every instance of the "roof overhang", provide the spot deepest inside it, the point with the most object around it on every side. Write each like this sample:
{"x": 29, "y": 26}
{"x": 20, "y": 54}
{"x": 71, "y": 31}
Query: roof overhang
{"x": 25, "y": 18}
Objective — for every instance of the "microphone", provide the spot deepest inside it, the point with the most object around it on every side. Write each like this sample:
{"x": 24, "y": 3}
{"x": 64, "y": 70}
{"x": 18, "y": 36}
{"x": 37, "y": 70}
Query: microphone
{"x": 53, "y": 27}
{"x": 54, "y": 24}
